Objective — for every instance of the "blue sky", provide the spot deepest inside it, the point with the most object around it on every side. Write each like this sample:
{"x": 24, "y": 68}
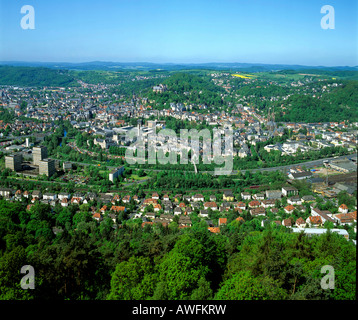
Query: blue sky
{"x": 252, "y": 31}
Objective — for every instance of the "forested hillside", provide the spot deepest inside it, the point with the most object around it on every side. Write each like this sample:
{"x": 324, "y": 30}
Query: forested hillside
{"x": 190, "y": 89}
{"x": 89, "y": 260}
{"x": 338, "y": 105}
{"x": 35, "y": 77}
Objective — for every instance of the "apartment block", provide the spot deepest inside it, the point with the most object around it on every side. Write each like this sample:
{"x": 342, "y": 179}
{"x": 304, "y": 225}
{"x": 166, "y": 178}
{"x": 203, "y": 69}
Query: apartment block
{"x": 47, "y": 167}
{"x": 13, "y": 162}
{"x": 39, "y": 154}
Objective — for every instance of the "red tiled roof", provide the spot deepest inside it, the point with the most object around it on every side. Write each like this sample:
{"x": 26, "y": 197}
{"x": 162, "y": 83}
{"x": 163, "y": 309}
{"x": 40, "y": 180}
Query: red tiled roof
{"x": 315, "y": 219}
{"x": 289, "y": 207}
{"x": 211, "y": 204}
{"x": 118, "y": 208}
{"x": 222, "y": 221}
{"x": 254, "y": 203}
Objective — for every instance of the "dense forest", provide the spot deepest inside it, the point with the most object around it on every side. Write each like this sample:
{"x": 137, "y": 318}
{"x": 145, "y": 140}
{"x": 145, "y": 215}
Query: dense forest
{"x": 338, "y": 105}
{"x": 188, "y": 88}
{"x": 35, "y": 77}
{"x": 88, "y": 260}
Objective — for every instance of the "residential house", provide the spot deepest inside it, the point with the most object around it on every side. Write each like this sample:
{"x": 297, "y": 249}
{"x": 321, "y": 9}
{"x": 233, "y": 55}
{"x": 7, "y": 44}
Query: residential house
{"x": 150, "y": 215}
{"x": 214, "y": 229}
{"x": 166, "y": 217}
{"x": 126, "y": 198}
{"x": 195, "y": 205}
{"x": 259, "y": 196}
{"x": 289, "y": 208}
{"x": 97, "y": 216}
{"x": 228, "y": 196}
{"x": 343, "y": 208}
{"x": 18, "y": 195}
{"x": 314, "y": 221}
{"x": 113, "y": 217}
{"x": 308, "y": 198}
{"x": 294, "y": 200}
{"x": 254, "y": 204}
{"x": 49, "y": 196}
{"x": 268, "y": 203}
{"x": 182, "y": 205}
{"x": 289, "y": 191}
{"x": 240, "y": 205}
{"x": 92, "y": 196}
{"x": 212, "y": 205}
{"x": 136, "y": 199}
{"x": 273, "y": 194}
{"x": 258, "y": 211}
{"x": 287, "y": 223}
{"x": 346, "y": 218}
{"x": 118, "y": 209}
{"x": 177, "y": 211}
{"x": 63, "y": 195}
{"x": 225, "y": 206}
{"x": 325, "y": 214}
{"x": 212, "y": 198}
{"x": 245, "y": 195}
{"x": 157, "y": 207}
{"x": 64, "y": 202}
{"x": 300, "y": 223}
{"x": 37, "y": 194}
{"x": 149, "y": 201}
{"x": 222, "y": 221}
{"x": 203, "y": 213}
{"x": 198, "y": 197}
{"x": 105, "y": 198}
{"x": 116, "y": 198}
{"x": 26, "y": 194}
{"x": 76, "y": 200}
{"x": 184, "y": 221}
{"x": 78, "y": 195}
{"x": 188, "y": 210}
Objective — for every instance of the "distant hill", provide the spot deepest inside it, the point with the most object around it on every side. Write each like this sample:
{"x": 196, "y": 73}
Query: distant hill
{"x": 117, "y": 66}
{"x": 35, "y": 77}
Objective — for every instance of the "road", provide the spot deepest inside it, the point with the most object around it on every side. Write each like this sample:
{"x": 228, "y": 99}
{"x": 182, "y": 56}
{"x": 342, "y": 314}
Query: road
{"x": 308, "y": 164}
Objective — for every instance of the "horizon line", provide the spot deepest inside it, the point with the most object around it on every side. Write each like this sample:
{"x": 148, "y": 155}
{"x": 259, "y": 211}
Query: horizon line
{"x": 175, "y": 63}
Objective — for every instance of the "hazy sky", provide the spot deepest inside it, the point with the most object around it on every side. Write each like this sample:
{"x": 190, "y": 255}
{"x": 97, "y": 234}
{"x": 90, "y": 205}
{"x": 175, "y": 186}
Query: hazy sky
{"x": 253, "y": 31}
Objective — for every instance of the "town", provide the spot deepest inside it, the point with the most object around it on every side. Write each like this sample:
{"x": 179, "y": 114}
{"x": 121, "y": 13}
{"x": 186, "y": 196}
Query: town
{"x": 100, "y": 123}
{"x": 73, "y": 190}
